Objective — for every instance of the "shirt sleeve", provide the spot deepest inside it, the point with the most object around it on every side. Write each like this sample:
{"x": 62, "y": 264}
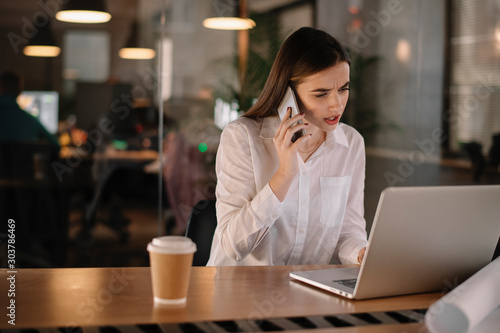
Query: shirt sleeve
{"x": 244, "y": 212}
{"x": 353, "y": 233}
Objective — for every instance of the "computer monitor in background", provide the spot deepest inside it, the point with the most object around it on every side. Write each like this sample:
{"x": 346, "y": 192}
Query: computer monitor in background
{"x": 43, "y": 105}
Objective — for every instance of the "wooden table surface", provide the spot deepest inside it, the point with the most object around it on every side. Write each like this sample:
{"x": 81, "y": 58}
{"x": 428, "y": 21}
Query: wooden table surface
{"x": 144, "y": 155}
{"x": 71, "y": 297}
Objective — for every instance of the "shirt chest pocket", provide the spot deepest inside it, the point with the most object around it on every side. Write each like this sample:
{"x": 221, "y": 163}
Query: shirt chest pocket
{"x": 334, "y": 193}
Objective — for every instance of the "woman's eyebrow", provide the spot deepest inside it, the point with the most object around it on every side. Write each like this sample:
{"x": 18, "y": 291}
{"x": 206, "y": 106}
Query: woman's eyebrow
{"x": 328, "y": 89}
{"x": 321, "y": 90}
{"x": 346, "y": 84}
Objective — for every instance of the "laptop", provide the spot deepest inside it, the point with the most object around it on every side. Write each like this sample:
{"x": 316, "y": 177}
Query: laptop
{"x": 423, "y": 239}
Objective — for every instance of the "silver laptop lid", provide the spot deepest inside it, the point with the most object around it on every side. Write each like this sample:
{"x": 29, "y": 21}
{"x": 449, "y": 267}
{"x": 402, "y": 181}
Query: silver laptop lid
{"x": 429, "y": 238}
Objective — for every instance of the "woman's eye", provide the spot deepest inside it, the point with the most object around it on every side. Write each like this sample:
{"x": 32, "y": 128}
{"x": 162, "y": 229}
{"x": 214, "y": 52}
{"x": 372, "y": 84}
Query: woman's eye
{"x": 321, "y": 95}
{"x": 344, "y": 89}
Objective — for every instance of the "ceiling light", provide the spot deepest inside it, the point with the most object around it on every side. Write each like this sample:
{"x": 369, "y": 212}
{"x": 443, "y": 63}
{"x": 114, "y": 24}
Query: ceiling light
{"x": 41, "y": 51}
{"x": 136, "y": 53}
{"x": 229, "y": 16}
{"x": 132, "y": 49}
{"x": 228, "y": 23}
{"x": 42, "y": 44}
{"x": 84, "y": 11}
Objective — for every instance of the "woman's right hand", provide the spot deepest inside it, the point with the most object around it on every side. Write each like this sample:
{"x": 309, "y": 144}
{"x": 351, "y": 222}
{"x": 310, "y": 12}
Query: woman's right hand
{"x": 287, "y": 153}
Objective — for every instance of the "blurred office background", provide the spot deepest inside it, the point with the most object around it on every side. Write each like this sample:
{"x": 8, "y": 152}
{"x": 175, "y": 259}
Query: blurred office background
{"x": 424, "y": 94}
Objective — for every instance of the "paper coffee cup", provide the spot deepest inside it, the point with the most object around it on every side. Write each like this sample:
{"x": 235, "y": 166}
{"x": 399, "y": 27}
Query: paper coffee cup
{"x": 171, "y": 258}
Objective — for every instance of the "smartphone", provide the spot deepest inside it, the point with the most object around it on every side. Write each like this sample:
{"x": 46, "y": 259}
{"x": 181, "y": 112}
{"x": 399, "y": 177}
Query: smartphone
{"x": 290, "y": 101}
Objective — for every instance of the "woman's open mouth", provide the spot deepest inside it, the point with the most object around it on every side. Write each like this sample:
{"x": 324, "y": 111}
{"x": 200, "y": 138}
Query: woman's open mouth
{"x": 332, "y": 120}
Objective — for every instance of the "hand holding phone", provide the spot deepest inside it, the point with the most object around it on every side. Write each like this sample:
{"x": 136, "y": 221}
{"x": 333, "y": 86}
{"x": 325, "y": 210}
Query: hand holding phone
{"x": 290, "y": 101}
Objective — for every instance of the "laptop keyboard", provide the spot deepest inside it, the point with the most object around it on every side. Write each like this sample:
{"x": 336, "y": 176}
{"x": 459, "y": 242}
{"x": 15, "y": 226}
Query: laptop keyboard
{"x": 351, "y": 283}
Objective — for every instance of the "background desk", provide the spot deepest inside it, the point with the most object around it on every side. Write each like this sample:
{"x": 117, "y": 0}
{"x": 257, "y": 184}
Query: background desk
{"x": 123, "y": 296}
{"x": 103, "y": 164}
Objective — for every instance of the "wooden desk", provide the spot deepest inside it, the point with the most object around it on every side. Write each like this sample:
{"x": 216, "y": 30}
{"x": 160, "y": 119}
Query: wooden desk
{"x": 123, "y": 296}
{"x": 104, "y": 164}
{"x": 110, "y": 154}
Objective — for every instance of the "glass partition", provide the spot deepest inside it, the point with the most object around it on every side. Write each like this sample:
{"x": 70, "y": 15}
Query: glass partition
{"x": 141, "y": 101}
{"x": 405, "y": 96}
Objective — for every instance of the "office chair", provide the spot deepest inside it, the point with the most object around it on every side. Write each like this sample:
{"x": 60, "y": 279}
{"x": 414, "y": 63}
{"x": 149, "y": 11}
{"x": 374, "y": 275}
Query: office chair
{"x": 201, "y": 228}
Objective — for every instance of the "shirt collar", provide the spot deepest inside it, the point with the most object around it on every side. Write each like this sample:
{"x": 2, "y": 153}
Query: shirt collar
{"x": 337, "y": 137}
{"x": 270, "y": 125}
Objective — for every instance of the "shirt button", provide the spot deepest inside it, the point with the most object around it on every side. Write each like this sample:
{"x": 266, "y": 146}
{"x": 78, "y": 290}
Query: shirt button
{"x": 304, "y": 202}
{"x": 301, "y": 230}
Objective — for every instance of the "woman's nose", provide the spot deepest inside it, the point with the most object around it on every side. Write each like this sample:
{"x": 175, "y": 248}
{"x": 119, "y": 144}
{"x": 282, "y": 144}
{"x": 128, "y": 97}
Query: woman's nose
{"x": 335, "y": 103}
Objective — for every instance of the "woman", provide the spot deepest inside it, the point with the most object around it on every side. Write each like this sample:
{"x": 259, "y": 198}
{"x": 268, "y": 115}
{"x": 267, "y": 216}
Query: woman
{"x": 286, "y": 203}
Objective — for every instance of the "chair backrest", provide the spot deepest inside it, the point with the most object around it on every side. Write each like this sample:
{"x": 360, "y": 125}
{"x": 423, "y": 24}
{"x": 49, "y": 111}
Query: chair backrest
{"x": 496, "y": 254}
{"x": 201, "y": 227}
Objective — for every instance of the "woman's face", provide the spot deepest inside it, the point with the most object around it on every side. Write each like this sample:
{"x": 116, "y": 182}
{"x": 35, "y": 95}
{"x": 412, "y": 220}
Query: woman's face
{"x": 323, "y": 96}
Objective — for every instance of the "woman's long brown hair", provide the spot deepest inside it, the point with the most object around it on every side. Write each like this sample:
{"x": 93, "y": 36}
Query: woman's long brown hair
{"x": 305, "y": 52}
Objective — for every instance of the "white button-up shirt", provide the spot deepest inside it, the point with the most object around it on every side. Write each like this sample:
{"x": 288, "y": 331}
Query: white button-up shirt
{"x": 319, "y": 222}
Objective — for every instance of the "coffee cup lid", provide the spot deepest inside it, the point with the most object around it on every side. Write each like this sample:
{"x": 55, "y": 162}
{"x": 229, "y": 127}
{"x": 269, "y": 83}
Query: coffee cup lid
{"x": 172, "y": 245}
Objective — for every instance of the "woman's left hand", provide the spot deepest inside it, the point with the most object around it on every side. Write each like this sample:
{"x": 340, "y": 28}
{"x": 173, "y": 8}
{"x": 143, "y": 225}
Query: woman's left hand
{"x": 361, "y": 255}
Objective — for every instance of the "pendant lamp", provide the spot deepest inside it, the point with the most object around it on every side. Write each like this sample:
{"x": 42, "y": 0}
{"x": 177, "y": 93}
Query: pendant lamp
{"x": 83, "y": 11}
{"x": 132, "y": 49}
{"x": 229, "y": 15}
{"x": 42, "y": 44}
